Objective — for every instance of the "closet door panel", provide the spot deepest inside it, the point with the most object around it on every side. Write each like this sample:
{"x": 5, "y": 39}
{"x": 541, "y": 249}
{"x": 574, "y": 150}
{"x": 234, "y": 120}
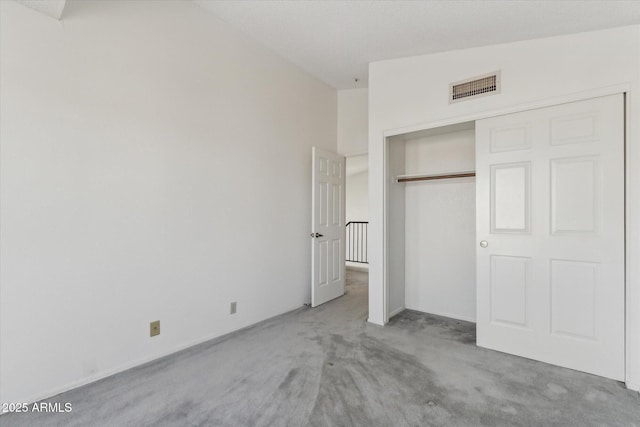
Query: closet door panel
{"x": 511, "y": 138}
{"x": 550, "y": 256}
{"x": 510, "y": 285}
{"x": 510, "y": 198}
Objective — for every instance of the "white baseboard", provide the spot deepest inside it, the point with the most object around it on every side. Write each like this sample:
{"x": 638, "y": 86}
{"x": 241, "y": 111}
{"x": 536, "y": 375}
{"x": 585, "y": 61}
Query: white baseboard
{"x": 377, "y": 322}
{"x": 452, "y": 316}
{"x": 129, "y": 365}
{"x": 633, "y": 386}
{"x": 396, "y": 311}
{"x": 358, "y": 267}
{"x": 107, "y": 373}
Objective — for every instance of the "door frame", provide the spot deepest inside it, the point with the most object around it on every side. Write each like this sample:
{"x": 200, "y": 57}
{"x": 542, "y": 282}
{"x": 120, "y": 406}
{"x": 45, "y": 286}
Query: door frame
{"x": 623, "y": 89}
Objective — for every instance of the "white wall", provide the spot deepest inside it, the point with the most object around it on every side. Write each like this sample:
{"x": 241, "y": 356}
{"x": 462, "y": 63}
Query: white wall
{"x": 148, "y": 151}
{"x": 412, "y": 93}
{"x": 440, "y": 256}
{"x": 353, "y": 121}
{"x": 357, "y": 205}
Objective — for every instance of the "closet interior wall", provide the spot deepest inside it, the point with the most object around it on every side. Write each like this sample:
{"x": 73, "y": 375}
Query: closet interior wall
{"x": 432, "y": 235}
{"x": 396, "y": 227}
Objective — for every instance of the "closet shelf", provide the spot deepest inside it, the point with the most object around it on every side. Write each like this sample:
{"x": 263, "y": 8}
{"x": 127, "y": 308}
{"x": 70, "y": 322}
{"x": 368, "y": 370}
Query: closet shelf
{"x": 410, "y": 178}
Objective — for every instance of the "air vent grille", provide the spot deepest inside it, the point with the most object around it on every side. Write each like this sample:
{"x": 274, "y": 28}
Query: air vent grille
{"x": 474, "y": 88}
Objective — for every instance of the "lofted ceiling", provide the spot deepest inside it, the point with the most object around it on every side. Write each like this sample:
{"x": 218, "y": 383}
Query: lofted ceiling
{"x": 52, "y": 8}
{"x": 336, "y": 39}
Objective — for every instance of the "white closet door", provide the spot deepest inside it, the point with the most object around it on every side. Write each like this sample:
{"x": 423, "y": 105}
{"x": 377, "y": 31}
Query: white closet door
{"x": 550, "y": 228}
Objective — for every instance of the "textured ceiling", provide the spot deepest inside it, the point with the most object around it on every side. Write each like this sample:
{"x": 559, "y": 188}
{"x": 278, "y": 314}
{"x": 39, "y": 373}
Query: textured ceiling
{"x": 335, "y": 40}
{"x": 52, "y": 8}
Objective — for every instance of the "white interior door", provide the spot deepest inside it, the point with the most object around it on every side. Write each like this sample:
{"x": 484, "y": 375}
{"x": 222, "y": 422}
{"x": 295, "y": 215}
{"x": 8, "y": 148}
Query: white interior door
{"x": 328, "y": 227}
{"x": 550, "y": 228}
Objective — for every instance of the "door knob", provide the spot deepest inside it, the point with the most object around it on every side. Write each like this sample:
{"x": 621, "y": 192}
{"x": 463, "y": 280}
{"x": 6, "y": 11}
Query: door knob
{"x": 316, "y": 235}
{"x": 484, "y": 244}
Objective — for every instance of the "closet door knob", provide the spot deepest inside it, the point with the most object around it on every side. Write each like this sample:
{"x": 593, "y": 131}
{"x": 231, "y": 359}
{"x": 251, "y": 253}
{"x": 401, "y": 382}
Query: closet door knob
{"x": 484, "y": 244}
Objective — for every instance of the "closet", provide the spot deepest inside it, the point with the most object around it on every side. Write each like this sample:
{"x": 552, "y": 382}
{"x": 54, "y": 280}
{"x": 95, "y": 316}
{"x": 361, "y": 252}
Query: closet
{"x": 534, "y": 242}
{"x": 431, "y": 228}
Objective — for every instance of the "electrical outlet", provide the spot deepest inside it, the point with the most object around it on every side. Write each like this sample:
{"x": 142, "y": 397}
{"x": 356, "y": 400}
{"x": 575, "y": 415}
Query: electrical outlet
{"x": 233, "y": 308}
{"x": 154, "y": 328}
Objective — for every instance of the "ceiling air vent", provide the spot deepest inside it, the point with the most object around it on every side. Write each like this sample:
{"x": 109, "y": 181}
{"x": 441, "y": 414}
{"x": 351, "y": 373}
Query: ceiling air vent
{"x": 476, "y": 87}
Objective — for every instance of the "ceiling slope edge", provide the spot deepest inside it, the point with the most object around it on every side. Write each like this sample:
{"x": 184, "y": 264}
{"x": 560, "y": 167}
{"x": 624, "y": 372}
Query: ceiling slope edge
{"x": 51, "y": 8}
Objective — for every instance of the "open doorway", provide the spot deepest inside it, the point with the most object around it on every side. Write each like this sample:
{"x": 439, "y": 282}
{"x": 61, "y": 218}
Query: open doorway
{"x": 357, "y": 221}
{"x": 357, "y": 212}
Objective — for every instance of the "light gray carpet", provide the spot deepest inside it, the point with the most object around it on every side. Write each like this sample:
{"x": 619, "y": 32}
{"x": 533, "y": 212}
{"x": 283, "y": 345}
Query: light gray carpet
{"x": 328, "y": 367}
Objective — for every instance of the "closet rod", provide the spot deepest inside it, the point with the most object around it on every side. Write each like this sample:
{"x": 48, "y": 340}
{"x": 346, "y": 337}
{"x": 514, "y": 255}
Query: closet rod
{"x": 432, "y": 177}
